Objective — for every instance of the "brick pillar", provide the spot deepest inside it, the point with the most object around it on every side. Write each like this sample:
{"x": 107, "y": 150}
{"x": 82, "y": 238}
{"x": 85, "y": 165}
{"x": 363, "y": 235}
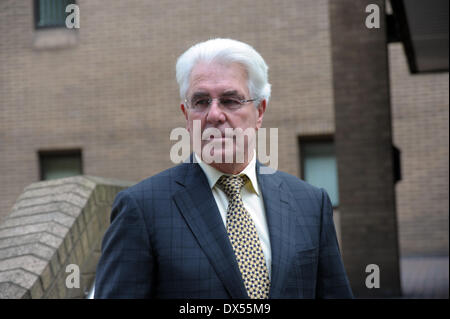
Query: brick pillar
{"x": 363, "y": 140}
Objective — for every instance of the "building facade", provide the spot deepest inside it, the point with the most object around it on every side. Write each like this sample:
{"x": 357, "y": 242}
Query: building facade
{"x": 104, "y": 96}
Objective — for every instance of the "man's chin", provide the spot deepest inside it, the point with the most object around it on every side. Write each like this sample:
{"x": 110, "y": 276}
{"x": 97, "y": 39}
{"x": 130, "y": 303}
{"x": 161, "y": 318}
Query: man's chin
{"x": 222, "y": 156}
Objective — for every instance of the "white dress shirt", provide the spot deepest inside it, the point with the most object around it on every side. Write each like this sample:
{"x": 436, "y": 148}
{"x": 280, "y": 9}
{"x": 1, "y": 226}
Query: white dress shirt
{"x": 252, "y": 198}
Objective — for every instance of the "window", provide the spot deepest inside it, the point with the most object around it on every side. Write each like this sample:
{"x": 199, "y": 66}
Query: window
{"x": 318, "y": 166}
{"x": 50, "y": 13}
{"x": 59, "y": 164}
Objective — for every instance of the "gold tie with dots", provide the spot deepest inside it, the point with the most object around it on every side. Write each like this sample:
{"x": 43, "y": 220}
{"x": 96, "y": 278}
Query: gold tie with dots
{"x": 244, "y": 239}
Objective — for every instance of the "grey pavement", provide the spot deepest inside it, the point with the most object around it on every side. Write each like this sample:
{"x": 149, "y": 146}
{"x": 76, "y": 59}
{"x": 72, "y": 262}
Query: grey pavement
{"x": 425, "y": 277}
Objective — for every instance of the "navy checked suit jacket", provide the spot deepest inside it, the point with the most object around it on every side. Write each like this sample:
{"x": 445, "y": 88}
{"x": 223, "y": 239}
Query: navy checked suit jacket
{"x": 167, "y": 240}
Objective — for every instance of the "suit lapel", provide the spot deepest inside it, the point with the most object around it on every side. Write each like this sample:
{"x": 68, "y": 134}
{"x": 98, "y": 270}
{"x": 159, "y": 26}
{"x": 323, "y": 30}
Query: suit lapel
{"x": 198, "y": 207}
{"x": 281, "y": 229}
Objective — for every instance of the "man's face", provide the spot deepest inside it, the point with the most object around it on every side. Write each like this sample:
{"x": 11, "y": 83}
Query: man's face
{"x": 216, "y": 80}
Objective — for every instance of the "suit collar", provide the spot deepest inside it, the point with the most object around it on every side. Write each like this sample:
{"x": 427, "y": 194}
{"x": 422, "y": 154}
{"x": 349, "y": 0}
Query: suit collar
{"x": 213, "y": 175}
{"x": 198, "y": 207}
{"x": 281, "y": 223}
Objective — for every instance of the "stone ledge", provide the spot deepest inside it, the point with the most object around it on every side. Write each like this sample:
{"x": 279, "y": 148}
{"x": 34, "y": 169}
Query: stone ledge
{"x": 54, "y": 38}
{"x": 54, "y": 224}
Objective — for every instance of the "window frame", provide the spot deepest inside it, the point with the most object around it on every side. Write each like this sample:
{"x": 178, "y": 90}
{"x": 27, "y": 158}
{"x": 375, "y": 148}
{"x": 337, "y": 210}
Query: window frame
{"x": 37, "y": 17}
{"x": 325, "y": 139}
{"x": 58, "y": 154}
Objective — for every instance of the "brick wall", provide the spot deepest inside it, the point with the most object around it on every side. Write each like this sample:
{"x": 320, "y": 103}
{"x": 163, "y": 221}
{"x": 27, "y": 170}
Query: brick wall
{"x": 363, "y": 141}
{"x": 111, "y": 91}
{"x": 114, "y": 94}
{"x": 420, "y": 106}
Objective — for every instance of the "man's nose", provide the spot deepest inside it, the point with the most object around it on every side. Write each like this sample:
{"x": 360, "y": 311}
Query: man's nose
{"x": 215, "y": 113}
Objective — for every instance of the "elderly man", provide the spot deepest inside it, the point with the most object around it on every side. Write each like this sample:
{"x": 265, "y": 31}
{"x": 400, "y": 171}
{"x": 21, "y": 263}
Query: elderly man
{"x": 215, "y": 228}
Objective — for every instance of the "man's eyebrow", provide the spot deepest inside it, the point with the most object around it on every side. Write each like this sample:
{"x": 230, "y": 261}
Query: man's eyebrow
{"x": 199, "y": 95}
{"x": 231, "y": 93}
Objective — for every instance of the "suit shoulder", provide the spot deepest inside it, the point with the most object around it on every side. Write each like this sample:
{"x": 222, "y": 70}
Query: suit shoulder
{"x": 304, "y": 194}
{"x": 298, "y": 185}
{"x": 160, "y": 181}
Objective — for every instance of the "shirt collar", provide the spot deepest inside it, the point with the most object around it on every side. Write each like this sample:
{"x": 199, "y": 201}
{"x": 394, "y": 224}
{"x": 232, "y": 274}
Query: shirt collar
{"x": 213, "y": 174}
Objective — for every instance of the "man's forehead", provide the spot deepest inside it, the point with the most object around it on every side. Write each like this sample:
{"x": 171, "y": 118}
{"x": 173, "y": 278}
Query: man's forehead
{"x": 222, "y": 78}
{"x": 226, "y": 92}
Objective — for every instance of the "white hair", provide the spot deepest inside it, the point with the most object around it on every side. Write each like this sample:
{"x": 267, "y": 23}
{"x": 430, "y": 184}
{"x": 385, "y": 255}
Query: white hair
{"x": 226, "y": 51}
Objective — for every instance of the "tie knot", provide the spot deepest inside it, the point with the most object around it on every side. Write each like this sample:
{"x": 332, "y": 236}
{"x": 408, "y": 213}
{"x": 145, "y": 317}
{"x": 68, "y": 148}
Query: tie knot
{"x": 232, "y": 185}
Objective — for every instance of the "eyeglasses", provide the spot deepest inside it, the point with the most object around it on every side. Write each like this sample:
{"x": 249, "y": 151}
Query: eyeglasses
{"x": 201, "y": 104}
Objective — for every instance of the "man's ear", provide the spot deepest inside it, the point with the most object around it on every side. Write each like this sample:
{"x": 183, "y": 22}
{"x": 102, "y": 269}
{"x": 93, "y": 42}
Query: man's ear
{"x": 261, "y": 109}
{"x": 184, "y": 110}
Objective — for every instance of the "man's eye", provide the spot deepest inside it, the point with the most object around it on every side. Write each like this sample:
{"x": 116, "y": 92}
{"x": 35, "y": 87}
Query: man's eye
{"x": 201, "y": 102}
{"x": 230, "y": 102}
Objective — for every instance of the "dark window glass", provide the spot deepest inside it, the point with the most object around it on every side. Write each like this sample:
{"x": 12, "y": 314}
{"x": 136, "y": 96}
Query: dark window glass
{"x": 319, "y": 167}
{"x": 60, "y": 164}
{"x": 51, "y": 13}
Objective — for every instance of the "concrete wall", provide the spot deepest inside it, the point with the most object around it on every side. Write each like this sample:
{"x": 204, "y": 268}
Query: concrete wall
{"x": 54, "y": 224}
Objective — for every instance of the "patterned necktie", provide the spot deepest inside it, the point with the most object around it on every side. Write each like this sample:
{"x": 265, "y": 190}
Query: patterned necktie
{"x": 244, "y": 239}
